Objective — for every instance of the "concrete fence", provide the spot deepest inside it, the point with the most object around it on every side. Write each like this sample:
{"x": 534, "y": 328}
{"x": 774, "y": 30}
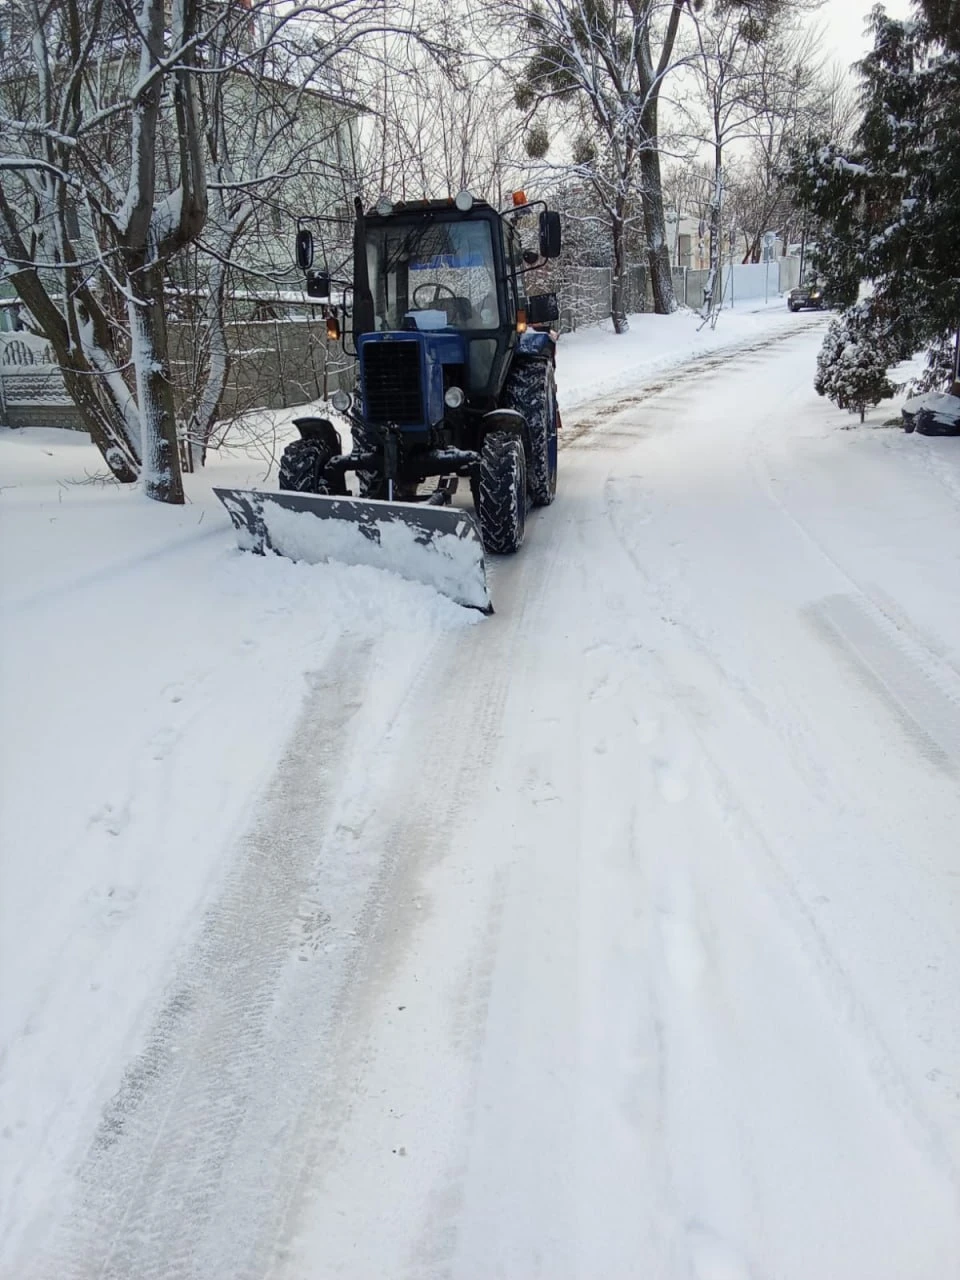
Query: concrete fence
{"x": 275, "y": 364}
{"x": 32, "y": 393}
{"x": 282, "y": 363}
{"x": 585, "y": 293}
{"x": 742, "y": 282}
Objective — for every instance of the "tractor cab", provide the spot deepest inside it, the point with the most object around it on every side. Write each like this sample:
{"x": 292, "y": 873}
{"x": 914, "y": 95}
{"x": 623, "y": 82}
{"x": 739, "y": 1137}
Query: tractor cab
{"x": 454, "y": 270}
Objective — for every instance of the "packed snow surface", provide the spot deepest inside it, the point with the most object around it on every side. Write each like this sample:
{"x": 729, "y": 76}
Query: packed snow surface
{"x": 346, "y": 935}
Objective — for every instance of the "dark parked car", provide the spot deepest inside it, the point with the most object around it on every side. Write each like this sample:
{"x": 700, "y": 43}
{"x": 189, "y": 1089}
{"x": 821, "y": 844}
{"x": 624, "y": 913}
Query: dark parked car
{"x": 807, "y": 295}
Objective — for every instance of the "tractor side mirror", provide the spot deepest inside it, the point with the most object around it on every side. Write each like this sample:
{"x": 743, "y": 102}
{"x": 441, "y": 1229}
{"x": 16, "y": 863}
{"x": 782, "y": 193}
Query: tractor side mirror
{"x": 304, "y": 249}
{"x": 543, "y": 308}
{"x": 550, "y": 234}
{"x": 318, "y": 284}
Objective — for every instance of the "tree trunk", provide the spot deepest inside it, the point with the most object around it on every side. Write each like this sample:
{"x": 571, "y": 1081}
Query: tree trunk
{"x": 102, "y": 418}
{"x": 105, "y": 432}
{"x": 650, "y": 78}
{"x": 618, "y": 311}
{"x": 207, "y": 403}
{"x": 658, "y": 251}
{"x": 714, "y": 290}
{"x": 160, "y": 471}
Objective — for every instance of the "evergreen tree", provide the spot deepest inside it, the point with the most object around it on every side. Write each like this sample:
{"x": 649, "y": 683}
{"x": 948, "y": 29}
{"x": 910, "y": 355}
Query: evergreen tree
{"x": 852, "y": 365}
{"x": 888, "y": 210}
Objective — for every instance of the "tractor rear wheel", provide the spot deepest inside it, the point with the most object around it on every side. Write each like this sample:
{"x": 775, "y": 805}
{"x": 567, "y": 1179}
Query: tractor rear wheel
{"x": 301, "y": 466}
{"x": 500, "y": 493}
{"x": 531, "y": 389}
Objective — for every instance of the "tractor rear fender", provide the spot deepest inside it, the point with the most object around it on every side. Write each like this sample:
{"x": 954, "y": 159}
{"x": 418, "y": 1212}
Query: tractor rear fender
{"x": 538, "y": 344}
{"x": 508, "y": 421}
{"x": 322, "y": 430}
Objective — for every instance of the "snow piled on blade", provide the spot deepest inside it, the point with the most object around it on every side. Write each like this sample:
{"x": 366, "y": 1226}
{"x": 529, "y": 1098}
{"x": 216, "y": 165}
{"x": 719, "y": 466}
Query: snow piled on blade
{"x": 439, "y": 547}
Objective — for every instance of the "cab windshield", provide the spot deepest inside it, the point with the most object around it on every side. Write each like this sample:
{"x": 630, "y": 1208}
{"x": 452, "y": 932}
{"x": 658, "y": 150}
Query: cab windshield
{"x": 433, "y": 275}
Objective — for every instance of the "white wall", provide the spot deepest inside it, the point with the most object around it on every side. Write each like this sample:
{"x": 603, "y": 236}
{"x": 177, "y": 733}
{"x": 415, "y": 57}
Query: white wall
{"x": 754, "y": 281}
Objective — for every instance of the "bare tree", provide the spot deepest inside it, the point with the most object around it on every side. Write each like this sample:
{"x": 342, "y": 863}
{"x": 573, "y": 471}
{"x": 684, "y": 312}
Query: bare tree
{"x": 278, "y": 134}
{"x": 92, "y": 82}
{"x": 435, "y": 122}
{"x": 794, "y": 95}
{"x": 608, "y": 61}
{"x": 126, "y": 134}
{"x": 726, "y": 71}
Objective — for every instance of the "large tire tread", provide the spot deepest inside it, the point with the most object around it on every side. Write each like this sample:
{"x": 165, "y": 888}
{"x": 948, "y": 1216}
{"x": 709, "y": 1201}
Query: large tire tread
{"x": 531, "y": 390}
{"x": 301, "y": 464}
{"x": 500, "y": 493}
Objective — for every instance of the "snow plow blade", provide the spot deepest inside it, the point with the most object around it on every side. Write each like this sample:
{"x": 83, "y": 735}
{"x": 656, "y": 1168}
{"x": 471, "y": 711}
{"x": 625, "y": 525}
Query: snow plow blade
{"x": 439, "y": 546}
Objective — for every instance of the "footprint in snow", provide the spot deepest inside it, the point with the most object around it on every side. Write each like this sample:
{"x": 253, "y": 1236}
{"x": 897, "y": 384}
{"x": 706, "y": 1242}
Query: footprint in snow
{"x": 648, "y": 728}
{"x": 111, "y": 901}
{"x": 672, "y": 786}
{"x": 113, "y": 818}
{"x": 715, "y": 1259}
{"x": 683, "y": 951}
{"x": 163, "y": 742}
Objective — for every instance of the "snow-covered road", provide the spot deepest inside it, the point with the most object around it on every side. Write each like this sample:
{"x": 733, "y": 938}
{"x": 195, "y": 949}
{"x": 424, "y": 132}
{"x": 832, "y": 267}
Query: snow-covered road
{"x": 620, "y": 939}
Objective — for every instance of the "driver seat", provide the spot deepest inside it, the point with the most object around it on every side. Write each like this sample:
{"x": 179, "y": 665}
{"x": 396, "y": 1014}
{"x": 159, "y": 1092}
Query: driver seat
{"x": 459, "y": 310}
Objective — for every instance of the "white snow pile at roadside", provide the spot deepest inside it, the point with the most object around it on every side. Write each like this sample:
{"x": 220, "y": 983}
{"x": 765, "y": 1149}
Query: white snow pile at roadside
{"x": 595, "y": 362}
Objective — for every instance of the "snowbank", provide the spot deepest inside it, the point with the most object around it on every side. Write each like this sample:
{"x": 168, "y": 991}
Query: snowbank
{"x": 596, "y": 362}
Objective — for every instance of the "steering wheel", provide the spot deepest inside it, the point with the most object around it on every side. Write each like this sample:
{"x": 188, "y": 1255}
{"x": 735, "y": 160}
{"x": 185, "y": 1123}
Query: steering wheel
{"x": 431, "y": 284}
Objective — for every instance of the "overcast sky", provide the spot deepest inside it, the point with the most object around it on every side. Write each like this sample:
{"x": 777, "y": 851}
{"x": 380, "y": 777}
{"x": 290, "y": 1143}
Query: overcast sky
{"x": 842, "y": 22}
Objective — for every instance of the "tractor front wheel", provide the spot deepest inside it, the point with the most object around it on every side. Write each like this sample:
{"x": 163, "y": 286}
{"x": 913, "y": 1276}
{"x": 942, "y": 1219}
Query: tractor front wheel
{"x": 500, "y": 493}
{"x": 301, "y": 466}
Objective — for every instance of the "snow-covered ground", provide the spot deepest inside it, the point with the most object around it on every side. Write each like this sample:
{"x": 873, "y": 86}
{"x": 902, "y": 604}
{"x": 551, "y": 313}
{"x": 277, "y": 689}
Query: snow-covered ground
{"x": 591, "y": 365}
{"x": 612, "y": 936}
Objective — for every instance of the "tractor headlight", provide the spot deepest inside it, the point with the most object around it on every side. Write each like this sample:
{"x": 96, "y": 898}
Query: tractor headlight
{"x": 342, "y": 401}
{"x": 453, "y": 397}
{"x": 464, "y": 201}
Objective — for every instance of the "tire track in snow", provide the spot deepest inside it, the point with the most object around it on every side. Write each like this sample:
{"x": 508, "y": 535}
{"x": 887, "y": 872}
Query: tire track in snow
{"x": 921, "y": 690}
{"x": 223, "y": 1124}
{"x": 919, "y": 687}
{"x": 754, "y": 871}
{"x": 449, "y": 752}
{"x": 745, "y": 828}
{"x": 582, "y": 431}
{"x": 175, "y": 1176}
{"x": 667, "y": 953}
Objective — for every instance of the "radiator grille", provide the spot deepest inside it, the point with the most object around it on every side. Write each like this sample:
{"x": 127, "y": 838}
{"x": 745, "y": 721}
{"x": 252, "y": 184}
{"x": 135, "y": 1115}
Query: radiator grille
{"x": 391, "y": 382}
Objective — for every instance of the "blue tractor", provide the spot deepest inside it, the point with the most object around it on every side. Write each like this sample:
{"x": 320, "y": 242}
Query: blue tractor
{"x": 455, "y": 364}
